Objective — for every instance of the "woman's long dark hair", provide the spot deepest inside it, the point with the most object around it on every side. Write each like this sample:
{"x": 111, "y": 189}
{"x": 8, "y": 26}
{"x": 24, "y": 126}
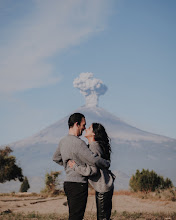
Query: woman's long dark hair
{"x": 102, "y": 138}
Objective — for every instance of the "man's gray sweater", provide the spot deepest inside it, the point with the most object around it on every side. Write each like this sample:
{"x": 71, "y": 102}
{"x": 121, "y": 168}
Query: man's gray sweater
{"x": 73, "y": 148}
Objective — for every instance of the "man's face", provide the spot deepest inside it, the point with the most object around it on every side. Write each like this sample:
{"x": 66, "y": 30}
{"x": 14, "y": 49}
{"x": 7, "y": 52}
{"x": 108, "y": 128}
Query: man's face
{"x": 81, "y": 127}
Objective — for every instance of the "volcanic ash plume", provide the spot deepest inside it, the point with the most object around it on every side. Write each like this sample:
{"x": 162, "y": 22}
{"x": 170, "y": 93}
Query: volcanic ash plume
{"x": 90, "y": 87}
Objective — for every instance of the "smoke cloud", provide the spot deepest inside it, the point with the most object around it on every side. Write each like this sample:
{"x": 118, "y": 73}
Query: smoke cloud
{"x": 90, "y": 87}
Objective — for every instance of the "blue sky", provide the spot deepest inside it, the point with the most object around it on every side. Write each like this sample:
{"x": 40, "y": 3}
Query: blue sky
{"x": 45, "y": 45}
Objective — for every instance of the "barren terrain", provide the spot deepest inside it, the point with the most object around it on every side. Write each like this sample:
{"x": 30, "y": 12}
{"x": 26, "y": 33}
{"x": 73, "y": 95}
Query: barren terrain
{"x": 121, "y": 203}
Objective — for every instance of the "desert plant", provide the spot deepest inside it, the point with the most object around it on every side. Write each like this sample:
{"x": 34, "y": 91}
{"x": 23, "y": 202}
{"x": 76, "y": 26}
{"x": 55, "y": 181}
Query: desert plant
{"x": 25, "y": 185}
{"x": 51, "y": 182}
{"x": 148, "y": 181}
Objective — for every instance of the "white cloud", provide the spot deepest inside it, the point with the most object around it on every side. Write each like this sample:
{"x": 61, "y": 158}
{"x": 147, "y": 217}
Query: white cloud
{"x": 90, "y": 87}
{"x": 51, "y": 27}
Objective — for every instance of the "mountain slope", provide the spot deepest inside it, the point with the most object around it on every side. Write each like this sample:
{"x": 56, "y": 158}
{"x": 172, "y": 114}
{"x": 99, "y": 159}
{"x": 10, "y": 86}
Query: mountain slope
{"x": 116, "y": 128}
{"x": 132, "y": 149}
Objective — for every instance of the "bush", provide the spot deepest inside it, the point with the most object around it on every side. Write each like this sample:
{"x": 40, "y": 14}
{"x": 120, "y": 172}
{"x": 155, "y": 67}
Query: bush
{"x": 52, "y": 183}
{"x": 25, "y": 185}
{"x": 148, "y": 181}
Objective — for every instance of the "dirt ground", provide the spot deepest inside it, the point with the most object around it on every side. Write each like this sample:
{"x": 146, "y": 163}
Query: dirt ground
{"x": 58, "y": 205}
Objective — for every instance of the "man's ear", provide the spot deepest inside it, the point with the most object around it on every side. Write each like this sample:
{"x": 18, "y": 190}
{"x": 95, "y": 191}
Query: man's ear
{"x": 76, "y": 123}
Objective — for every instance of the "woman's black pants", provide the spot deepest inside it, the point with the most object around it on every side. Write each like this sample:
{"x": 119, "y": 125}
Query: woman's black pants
{"x": 77, "y": 194}
{"x": 104, "y": 204}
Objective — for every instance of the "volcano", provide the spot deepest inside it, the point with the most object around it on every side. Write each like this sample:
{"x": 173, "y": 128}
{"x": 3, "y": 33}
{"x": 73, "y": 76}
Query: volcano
{"x": 132, "y": 149}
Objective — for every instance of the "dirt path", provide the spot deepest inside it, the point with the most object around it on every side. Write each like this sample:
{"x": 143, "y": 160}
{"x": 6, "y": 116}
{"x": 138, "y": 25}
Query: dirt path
{"x": 121, "y": 203}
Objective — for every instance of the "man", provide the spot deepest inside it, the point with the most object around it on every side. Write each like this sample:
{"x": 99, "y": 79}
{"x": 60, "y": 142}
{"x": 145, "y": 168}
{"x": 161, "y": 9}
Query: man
{"x": 72, "y": 147}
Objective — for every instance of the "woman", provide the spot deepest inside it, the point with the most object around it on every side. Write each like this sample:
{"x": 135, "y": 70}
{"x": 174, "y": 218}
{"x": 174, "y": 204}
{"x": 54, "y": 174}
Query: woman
{"x": 101, "y": 180}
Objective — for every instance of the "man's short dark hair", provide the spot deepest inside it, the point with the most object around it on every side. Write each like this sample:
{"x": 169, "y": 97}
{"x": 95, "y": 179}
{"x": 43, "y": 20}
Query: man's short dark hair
{"x": 76, "y": 117}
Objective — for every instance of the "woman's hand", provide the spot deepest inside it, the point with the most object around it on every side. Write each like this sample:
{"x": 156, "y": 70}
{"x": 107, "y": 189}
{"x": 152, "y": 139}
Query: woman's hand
{"x": 71, "y": 163}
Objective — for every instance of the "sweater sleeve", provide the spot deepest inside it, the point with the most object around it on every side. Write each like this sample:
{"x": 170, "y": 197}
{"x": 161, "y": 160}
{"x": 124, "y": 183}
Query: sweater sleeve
{"x": 57, "y": 157}
{"x": 85, "y": 170}
{"x": 86, "y": 156}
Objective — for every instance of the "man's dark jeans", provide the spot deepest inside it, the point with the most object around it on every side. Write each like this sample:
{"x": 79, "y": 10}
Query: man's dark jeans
{"x": 77, "y": 194}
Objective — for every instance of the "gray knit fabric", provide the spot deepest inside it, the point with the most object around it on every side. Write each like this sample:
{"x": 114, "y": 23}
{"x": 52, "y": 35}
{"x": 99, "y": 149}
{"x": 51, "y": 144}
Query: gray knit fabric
{"x": 73, "y": 148}
{"x": 100, "y": 179}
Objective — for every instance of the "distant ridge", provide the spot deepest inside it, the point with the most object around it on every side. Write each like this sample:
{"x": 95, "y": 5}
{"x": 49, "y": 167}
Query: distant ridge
{"x": 132, "y": 149}
{"x": 116, "y": 127}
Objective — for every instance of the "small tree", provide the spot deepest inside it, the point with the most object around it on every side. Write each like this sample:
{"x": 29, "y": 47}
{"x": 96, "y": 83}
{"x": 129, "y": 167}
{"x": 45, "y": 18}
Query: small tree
{"x": 25, "y": 185}
{"x": 51, "y": 182}
{"x": 8, "y": 168}
{"x": 148, "y": 181}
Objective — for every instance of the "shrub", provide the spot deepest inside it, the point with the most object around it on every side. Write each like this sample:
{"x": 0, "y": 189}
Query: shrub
{"x": 51, "y": 182}
{"x": 25, "y": 185}
{"x": 148, "y": 181}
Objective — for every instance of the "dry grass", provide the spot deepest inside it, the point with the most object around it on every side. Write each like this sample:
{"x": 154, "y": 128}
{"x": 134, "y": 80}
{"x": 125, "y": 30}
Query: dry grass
{"x": 161, "y": 195}
{"x": 158, "y": 195}
{"x": 20, "y": 194}
{"x": 31, "y": 194}
{"x": 88, "y": 216}
{"x": 157, "y": 214}
{"x": 91, "y": 192}
{"x": 123, "y": 192}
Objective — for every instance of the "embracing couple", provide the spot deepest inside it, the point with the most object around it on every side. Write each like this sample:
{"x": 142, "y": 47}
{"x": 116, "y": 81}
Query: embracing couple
{"x": 85, "y": 164}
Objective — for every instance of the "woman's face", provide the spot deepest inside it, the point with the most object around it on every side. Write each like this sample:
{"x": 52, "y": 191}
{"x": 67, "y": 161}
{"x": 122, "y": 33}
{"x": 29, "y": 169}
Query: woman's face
{"x": 89, "y": 132}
